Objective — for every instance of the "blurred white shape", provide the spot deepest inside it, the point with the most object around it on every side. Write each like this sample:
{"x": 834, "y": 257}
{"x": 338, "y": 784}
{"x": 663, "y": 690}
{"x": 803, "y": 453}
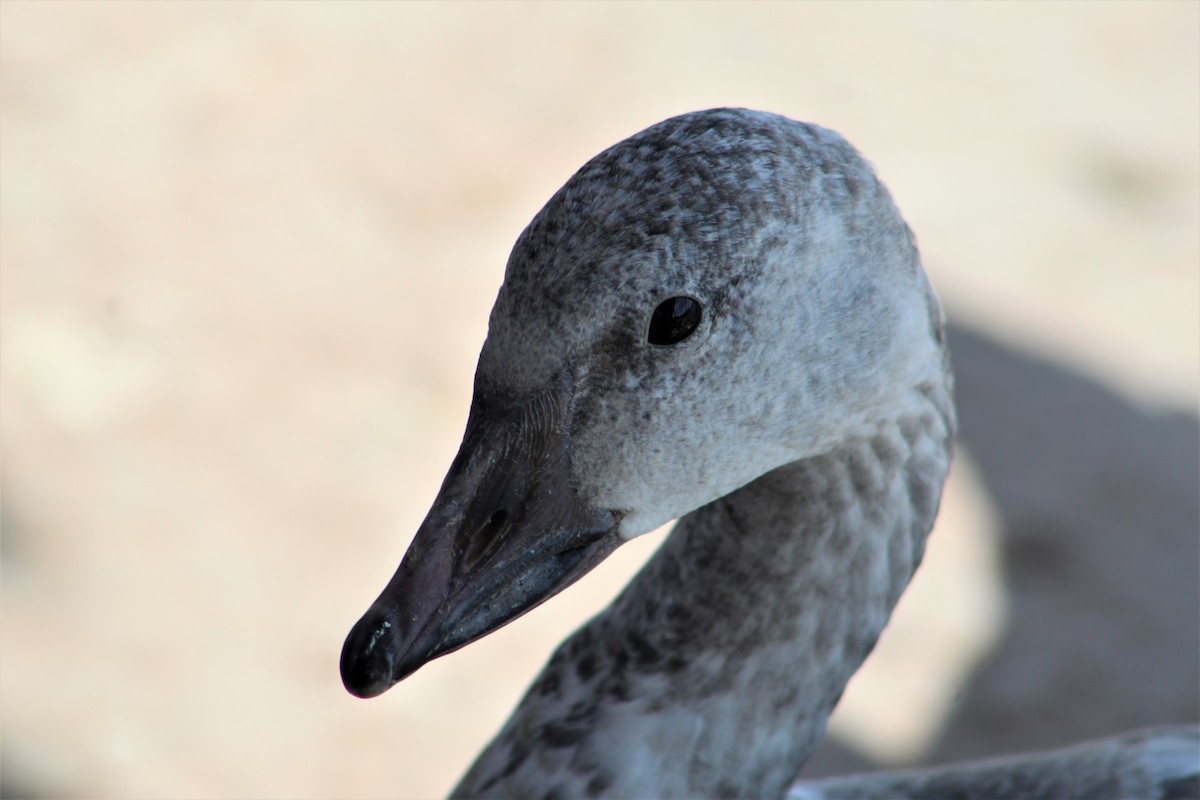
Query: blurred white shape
{"x": 82, "y": 375}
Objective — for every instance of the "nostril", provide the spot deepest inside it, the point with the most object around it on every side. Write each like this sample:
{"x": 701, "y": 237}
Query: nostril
{"x": 493, "y": 526}
{"x": 485, "y": 537}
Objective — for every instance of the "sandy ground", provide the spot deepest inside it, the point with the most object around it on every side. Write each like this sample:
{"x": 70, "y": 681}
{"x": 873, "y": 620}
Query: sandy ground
{"x": 246, "y": 257}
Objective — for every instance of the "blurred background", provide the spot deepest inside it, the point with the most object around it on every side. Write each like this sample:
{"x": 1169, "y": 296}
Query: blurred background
{"x": 247, "y": 253}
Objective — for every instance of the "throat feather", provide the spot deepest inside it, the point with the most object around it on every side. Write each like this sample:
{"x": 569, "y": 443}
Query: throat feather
{"x": 714, "y": 671}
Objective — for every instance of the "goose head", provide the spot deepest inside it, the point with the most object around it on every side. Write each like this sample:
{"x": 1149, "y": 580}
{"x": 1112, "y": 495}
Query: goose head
{"x": 723, "y": 293}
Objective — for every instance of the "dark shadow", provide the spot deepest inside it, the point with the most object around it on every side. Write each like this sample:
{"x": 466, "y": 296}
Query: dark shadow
{"x": 10, "y": 790}
{"x": 1099, "y": 505}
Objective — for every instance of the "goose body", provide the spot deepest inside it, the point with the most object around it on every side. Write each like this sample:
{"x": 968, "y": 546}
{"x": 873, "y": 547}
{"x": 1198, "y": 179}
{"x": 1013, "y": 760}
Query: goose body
{"x": 723, "y": 319}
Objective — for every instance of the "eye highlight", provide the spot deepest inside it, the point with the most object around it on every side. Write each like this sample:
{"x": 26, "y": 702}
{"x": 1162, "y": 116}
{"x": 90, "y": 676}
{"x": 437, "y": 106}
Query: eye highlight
{"x": 673, "y": 321}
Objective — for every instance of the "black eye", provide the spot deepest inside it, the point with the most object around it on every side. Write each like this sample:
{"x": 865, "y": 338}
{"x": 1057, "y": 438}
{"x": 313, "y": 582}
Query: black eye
{"x": 673, "y": 320}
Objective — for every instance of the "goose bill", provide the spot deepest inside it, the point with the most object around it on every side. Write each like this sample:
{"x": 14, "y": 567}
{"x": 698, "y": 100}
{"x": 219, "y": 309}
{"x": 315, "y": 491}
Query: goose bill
{"x": 505, "y": 533}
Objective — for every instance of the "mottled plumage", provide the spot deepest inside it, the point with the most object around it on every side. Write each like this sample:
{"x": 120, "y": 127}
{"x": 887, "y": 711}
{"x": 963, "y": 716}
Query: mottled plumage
{"x": 802, "y": 433}
{"x": 1158, "y": 764}
{"x": 714, "y": 672}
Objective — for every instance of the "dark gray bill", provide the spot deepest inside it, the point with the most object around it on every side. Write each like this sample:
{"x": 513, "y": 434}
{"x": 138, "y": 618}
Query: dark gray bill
{"x": 505, "y": 533}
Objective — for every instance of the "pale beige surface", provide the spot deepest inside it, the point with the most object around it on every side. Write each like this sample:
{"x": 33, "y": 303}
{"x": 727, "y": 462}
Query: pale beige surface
{"x": 246, "y": 257}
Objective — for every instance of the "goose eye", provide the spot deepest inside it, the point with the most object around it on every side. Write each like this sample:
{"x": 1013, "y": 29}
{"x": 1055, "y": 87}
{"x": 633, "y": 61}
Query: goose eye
{"x": 673, "y": 321}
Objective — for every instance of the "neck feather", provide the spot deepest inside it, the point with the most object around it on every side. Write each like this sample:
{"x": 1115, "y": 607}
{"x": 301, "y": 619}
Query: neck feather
{"x": 715, "y": 670}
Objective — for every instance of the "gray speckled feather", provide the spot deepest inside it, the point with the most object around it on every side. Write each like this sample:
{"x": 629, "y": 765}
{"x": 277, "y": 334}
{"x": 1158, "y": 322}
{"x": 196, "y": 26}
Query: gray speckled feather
{"x": 818, "y": 319}
{"x": 801, "y": 431}
{"x": 1157, "y": 764}
{"x": 821, "y": 368}
{"x": 713, "y": 673}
